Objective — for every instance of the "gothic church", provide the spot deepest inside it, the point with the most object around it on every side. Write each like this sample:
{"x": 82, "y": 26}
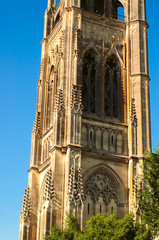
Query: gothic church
{"x": 92, "y": 123}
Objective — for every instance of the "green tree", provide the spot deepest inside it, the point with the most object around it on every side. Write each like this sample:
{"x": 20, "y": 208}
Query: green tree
{"x": 71, "y": 231}
{"x": 149, "y": 193}
{"x": 101, "y": 227}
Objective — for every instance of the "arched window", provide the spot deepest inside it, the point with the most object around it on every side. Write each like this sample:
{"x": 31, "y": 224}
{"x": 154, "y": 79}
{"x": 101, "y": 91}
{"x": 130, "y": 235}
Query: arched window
{"x": 49, "y": 96}
{"x": 54, "y": 218}
{"x": 83, "y": 4}
{"x": 113, "y": 9}
{"x": 118, "y": 10}
{"x": 57, "y": 18}
{"x": 89, "y": 81}
{"x": 48, "y": 215}
{"x": 99, "y": 6}
{"x": 102, "y": 194}
{"x": 121, "y": 14}
{"x": 112, "y": 97}
{"x": 96, "y": 6}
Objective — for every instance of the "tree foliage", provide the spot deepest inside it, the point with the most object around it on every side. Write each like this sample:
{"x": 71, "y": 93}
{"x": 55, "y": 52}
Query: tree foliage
{"x": 71, "y": 231}
{"x": 149, "y": 193}
{"x": 101, "y": 227}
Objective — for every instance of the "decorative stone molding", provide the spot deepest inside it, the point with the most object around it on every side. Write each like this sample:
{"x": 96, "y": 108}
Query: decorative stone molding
{"x": 26, "y": 207}
{"x": 76, "y": 97}
{"x": 133, "y": 115}
{"x": 101, "y": 184}
{"x": 49, "y": 191}
{"x": 41, "y": 72}
{"x": 102, "y": 31}
{"x": 75, "y": 51}
{"x": 37, "y": 128}
{"x": 75, "y": 155}
{"x": 76, "y": 112}
{"x": 59, "y": 103}
{"x": 76, "y": 193}
{"x": 104, "y": 138}
{"x": 62, "y": 42}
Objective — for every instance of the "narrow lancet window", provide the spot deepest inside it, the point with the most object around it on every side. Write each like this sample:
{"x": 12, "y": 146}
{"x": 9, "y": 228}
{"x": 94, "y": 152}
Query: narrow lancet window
{"x": 112, "y": 97}
{"x": 118, "y": 10}
{"x": 89, "y": 82}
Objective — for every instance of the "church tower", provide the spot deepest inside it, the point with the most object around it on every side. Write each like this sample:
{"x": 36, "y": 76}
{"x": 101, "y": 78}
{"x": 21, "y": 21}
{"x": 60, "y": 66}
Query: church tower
{"x": 92, "y": 123}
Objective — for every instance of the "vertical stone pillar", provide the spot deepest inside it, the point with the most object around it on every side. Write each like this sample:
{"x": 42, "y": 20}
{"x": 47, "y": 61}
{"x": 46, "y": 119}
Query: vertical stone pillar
{"x": 139, "y": 73}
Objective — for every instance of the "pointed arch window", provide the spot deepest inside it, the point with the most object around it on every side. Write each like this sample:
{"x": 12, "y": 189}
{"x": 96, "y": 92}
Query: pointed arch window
{"x": 113, "y": 94}
{"x": 118, "y": 10}
{"x": 96, "y": 6}
{"x": 89, "y": 82}
{"x": 49, "y": 96}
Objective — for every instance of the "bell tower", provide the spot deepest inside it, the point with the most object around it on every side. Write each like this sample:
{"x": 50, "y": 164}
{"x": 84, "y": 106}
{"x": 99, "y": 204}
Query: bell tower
{"x": 92, "y": 123}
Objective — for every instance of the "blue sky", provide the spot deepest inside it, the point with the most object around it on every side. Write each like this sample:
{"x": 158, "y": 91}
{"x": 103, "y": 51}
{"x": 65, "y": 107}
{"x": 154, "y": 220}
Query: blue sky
{"x": 20, "y": 52}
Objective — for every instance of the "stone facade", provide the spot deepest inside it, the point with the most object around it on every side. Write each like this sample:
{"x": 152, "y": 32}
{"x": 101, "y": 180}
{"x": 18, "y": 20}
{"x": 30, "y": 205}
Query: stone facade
{"x": 92, "y": 123}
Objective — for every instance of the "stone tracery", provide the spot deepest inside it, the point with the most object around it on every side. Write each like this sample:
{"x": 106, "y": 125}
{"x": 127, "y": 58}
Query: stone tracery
{"x": 102, "y": 194}
{"x": 101, "y": 184}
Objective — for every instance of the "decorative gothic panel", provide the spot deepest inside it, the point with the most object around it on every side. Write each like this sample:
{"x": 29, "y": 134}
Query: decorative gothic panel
{"x": 101, "y": 184}
{"x": 101, "y": 194}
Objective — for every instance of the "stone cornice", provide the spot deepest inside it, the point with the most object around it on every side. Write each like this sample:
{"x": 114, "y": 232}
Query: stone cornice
{"x": 141, "y": 74}
{"x": 102, "y": 122}
{"x": 55, "y": 31}
{"x": 138, "y": 21}
{"x": 47, "y": 132}
{"x": 64, "y": 148}
{"x": 34, "y": 168}
{"x": 44, "y": 165}
{"x": 136, "y": 158}
{"x": 108, "y": 157}
{"x": 44, "y": 40}
{"x": 105, "y": 22}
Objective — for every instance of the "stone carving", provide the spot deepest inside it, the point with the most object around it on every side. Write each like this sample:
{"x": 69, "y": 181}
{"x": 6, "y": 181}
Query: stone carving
{"x": 102, "y": 31}
{"x": 133, "y": 120}
{"x": 144, "y": 83}
{"x": 62, "y": 39}
{"x": 101, "y": 184}
{"x": 104, "y": 138}
{"x": 76, "y": 97}
{"x": 76, "y": 43}
{"x": 49, "y": 191}
{"x": 76, "y": 112}
{"x": 41, "y": 72}
{"x": 133, "y": 116}
{"x": 59, "y": 104}
{"x": 76, "y": 193}
{"x": 75, "y": 154}
{"x": 59, "y": 119}
{"x": 26, "y": 207}
{"x": 37, "y": 128}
